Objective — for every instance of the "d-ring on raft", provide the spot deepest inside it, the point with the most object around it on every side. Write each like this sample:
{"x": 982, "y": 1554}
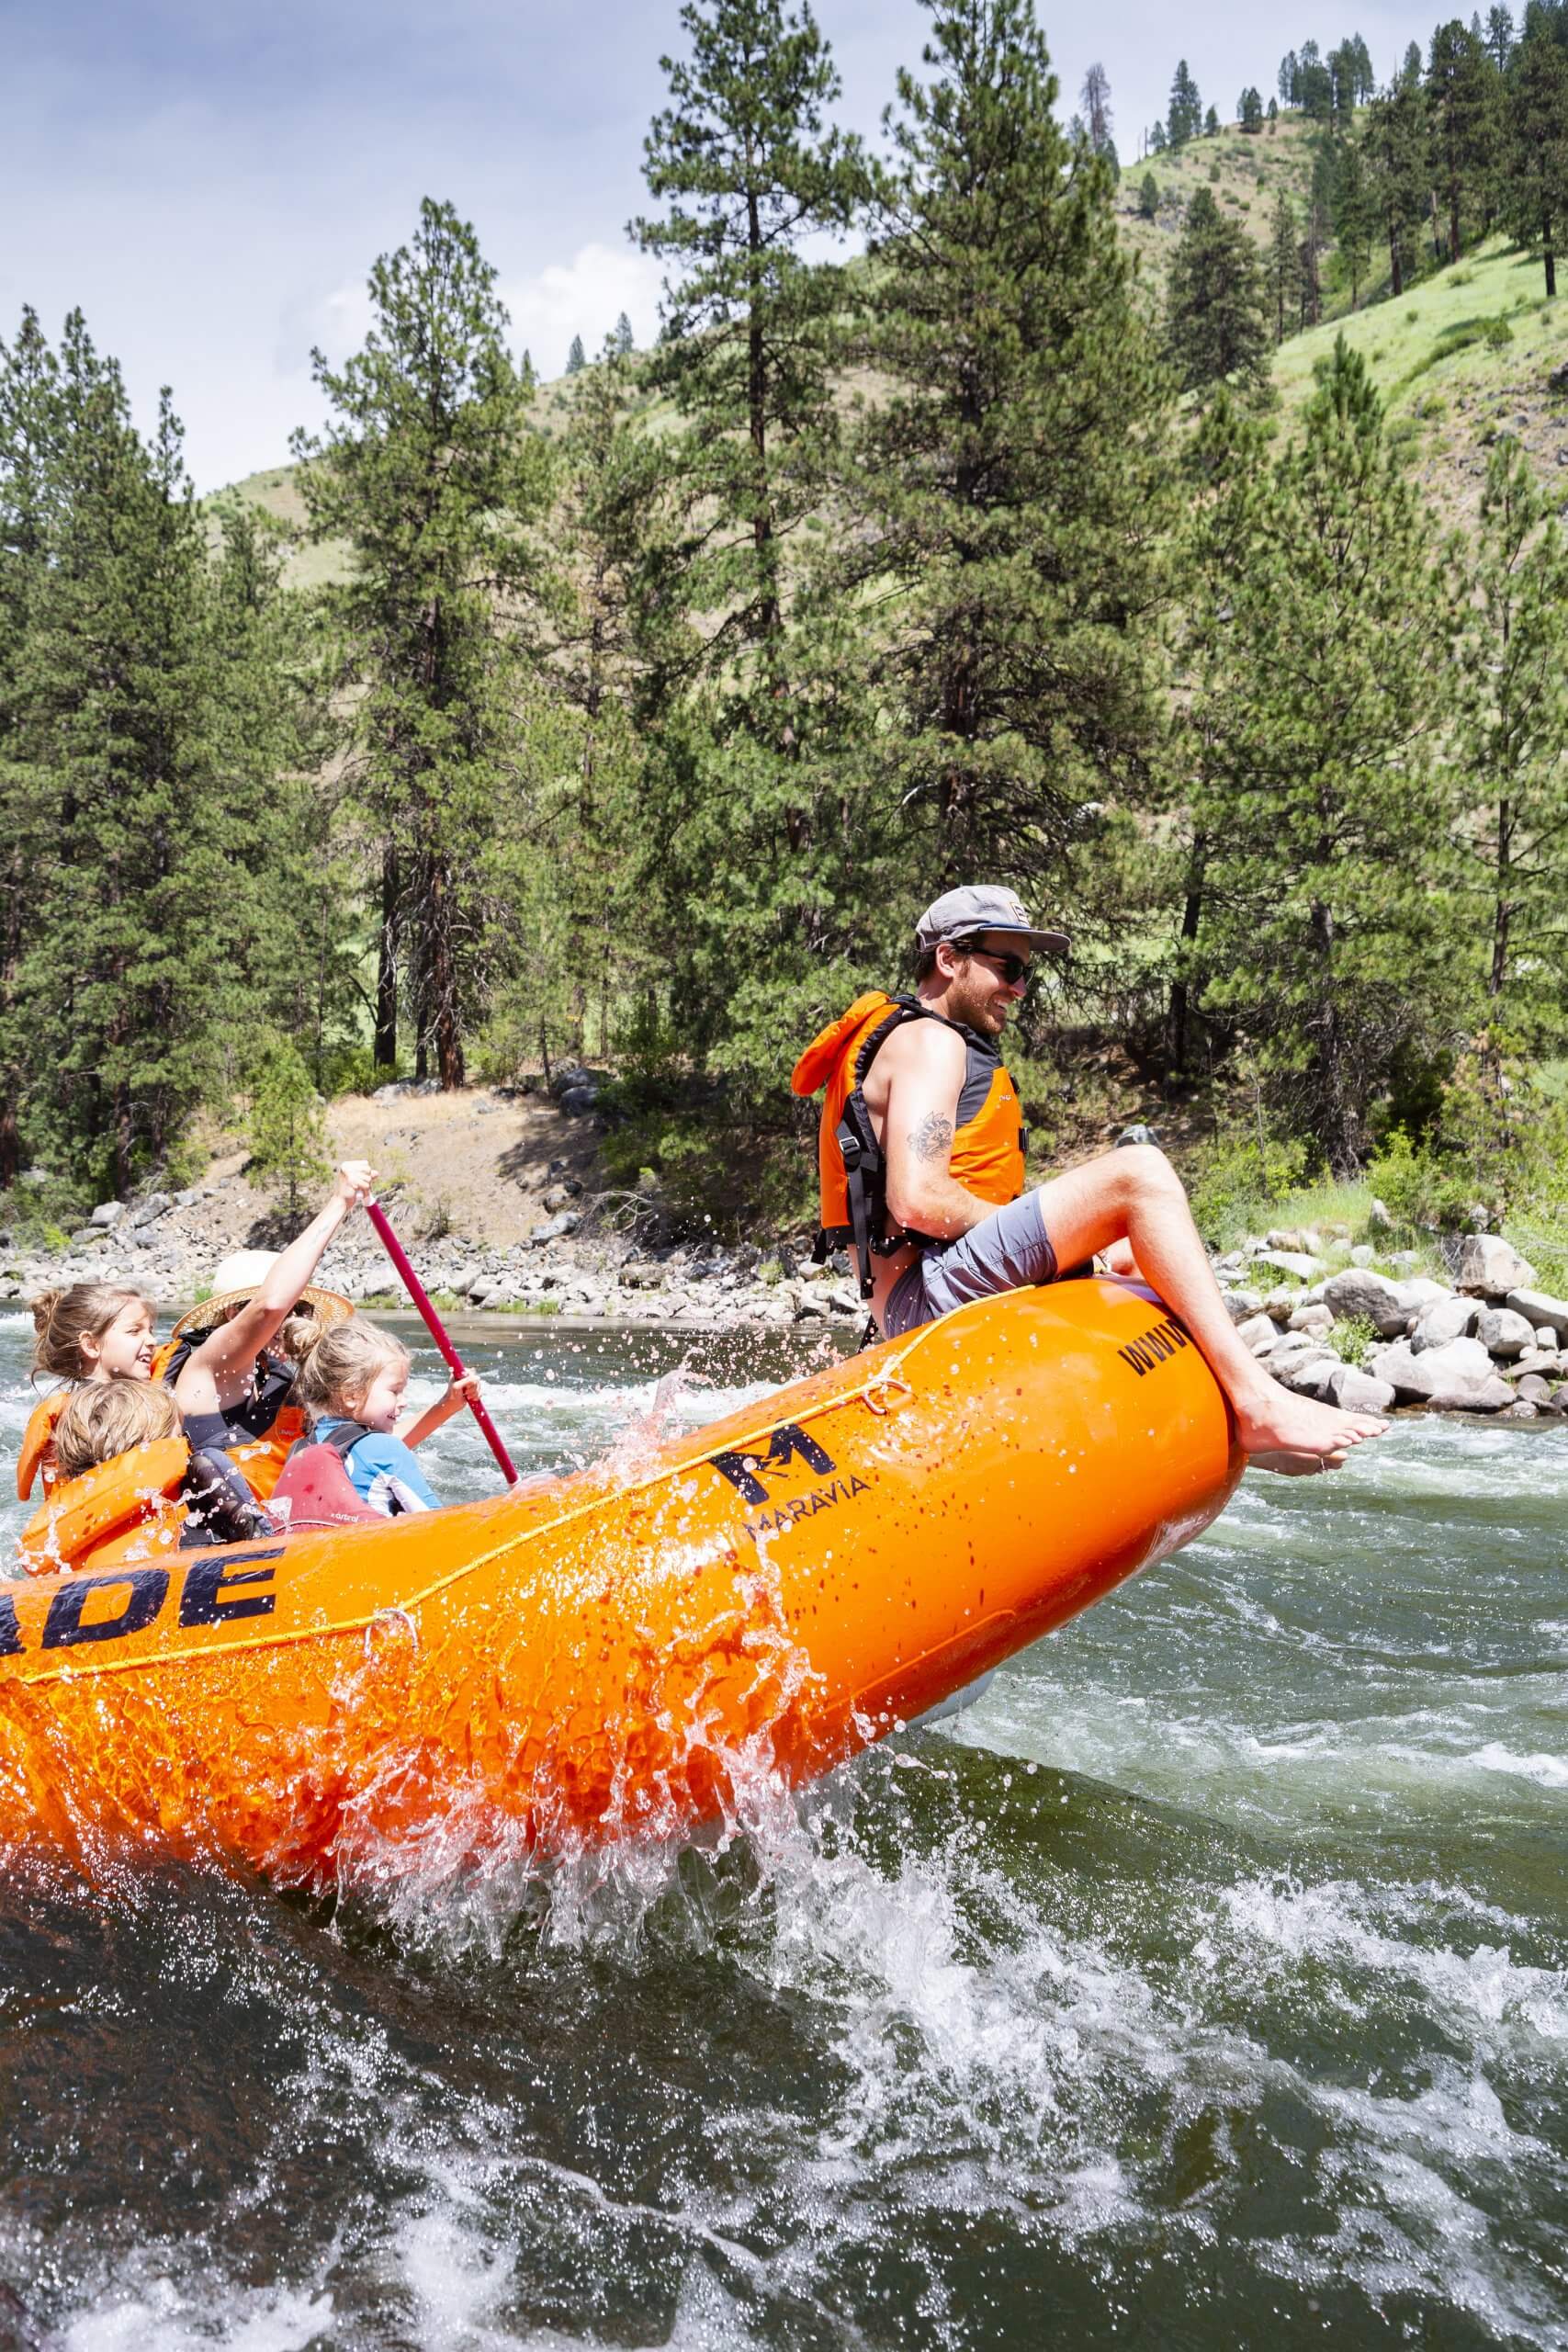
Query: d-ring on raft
{"x": 603, "y": 1657}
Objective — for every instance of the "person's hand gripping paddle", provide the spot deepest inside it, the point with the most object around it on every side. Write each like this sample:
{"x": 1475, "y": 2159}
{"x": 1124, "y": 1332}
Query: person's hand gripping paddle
{"x": 432, "y": 1324}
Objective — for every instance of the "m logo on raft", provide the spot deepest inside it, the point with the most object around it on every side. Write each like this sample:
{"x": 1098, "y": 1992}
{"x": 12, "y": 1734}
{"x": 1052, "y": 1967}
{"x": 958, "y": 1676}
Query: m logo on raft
{"x": 787, "y": 1444}
{"x": 1154, "y": 1347}
{"x": 208, "y": 1595}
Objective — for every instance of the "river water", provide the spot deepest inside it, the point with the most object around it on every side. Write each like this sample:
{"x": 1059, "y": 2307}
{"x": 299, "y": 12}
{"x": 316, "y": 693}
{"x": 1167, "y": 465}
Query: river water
{"x": 1205, "y": 1986}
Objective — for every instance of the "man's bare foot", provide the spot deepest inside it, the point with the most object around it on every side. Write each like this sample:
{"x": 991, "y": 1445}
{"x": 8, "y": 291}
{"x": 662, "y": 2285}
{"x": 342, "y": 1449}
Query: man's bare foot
{"x": 1294, "y": 1435}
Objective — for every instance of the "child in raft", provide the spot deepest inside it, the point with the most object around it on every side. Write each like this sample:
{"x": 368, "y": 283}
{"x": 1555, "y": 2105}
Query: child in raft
{"x": 112, "y": 1421}
{"x": 352, "y": 1378}
{"x": 229, "y": 1389}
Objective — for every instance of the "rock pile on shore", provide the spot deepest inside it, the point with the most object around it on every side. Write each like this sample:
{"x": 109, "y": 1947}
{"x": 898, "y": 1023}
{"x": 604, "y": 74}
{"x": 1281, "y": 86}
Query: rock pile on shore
{"x": 1487, "y": 1341}
{"x": 1367, "y": 1336}
{"x": 563, "y": 1268}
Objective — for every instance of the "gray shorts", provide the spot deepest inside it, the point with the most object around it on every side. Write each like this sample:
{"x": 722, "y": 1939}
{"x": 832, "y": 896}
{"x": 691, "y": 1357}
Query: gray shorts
{"x": 1010, "y": 1249}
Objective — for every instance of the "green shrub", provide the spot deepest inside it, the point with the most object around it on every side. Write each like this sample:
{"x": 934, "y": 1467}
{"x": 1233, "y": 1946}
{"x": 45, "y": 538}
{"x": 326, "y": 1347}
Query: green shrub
{"x": 352, "y": 1069}
{"x": 1351, "y": 1338}
{"x": 1237, "y": 1180}
{"x": 1495, "y": 333}
{"x": 1420, "y": 1185}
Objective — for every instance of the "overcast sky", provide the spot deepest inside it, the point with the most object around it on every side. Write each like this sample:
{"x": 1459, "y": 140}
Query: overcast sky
{"x": 211, "y": 179}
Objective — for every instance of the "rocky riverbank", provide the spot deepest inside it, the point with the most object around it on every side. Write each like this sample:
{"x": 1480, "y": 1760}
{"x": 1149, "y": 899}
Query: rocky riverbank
{"x": 1377, "y": 1338}
{"x": 1371, "y": 1332}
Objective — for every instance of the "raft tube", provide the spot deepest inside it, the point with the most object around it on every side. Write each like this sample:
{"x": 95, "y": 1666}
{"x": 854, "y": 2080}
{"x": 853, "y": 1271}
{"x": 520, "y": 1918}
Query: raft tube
{"x": 617, "y": 1655}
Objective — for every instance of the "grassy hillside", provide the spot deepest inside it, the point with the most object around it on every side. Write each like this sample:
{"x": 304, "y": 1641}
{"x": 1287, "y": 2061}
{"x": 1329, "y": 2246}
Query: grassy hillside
{"x": 1244, "y": 171}
{"x": 1459, "y": 358}
{"x": 1450, "y": 387}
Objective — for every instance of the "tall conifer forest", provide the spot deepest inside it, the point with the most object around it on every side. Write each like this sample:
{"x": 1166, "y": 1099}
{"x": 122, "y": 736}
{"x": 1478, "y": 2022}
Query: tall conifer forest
{"x": 929, "y": 543}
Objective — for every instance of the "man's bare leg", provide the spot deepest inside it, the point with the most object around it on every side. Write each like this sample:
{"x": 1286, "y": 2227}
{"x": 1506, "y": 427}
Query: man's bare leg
{"x": 1134, "y": 1195}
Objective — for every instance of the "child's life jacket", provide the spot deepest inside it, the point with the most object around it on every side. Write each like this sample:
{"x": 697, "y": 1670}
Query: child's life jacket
{"x": 140, "y": 1505}
{"x": 315, "y": 1489}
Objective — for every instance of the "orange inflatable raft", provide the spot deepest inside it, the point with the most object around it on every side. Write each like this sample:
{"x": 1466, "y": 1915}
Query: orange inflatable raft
{"x": 612, "y": 1655}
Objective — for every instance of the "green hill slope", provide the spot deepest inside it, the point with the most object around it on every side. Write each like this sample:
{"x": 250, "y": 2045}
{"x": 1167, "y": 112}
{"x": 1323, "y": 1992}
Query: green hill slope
{"x": 1459, "y": 358}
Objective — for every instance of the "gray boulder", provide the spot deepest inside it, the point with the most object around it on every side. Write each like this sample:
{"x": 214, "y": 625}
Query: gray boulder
{"x": 1291, "y": 1261}
{"x": 1308, "y": 1375}
{"x": 1258, "y": 1333}
{"x": 1359, "y": 1292}
{"x": 1363, "y": 1254}
{"x": 156, "y": 1205}
{"x": 1358, "y": 1391}
{"x": 1240, "y": 1304}
{"x": 1314, "y": 1317}
{"x": 555, "y": 1228}
{"x": 1446, "y": 1318}
{"x": 1535, "y": 1306}
{"x": 1417, "y": 1292}
{"x": 1549, "y": 1362}
{"x": 1491, "y": 1267}
{"x": 107, "y": 1213}
{"x": 1459, "y": 1377}
{"x": 1503, "y": 1333}
{"x": 1533, "y": 1390}
{"x": 575, "y": 1100}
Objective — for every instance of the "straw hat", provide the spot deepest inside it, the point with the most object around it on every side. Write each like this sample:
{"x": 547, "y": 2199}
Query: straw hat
{"x": 239, "y": 1278}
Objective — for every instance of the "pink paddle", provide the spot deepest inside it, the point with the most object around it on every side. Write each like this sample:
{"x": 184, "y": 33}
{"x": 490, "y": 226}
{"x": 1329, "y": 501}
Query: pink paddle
{"x": 455, "y": 1364}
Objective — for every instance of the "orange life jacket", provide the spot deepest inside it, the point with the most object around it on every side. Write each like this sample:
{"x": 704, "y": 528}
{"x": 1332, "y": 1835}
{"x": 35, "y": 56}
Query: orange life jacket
{"x": 259, "y": 1457}
{"x": 124, "y": 1510}
{"x": 989, "y": 1138}
{"x": 38, "y": 1443}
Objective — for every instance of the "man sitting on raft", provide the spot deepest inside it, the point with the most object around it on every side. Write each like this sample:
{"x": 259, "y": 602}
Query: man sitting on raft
{"x": 922, "y": 1155}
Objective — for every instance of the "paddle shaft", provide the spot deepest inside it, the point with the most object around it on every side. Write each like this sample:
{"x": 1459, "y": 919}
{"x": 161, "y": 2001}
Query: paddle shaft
{"x": 454, "y": 1365}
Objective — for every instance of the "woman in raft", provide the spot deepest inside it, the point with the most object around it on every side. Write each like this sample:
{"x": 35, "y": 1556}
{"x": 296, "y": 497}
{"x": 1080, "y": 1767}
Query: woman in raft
{"x": 233, "y": 1394}
{"x": 352, "y": 1381}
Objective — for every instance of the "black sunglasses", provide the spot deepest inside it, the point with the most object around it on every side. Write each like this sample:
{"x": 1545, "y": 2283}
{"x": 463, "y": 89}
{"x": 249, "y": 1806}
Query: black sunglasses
{"x": 1010, "y": 969}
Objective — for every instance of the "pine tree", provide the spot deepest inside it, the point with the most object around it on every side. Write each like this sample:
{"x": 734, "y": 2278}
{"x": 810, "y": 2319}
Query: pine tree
{"x": 1250, "y": 110}
{"x": 1216, "y": 319}
{"x": 1223, "y": 467}
{"x": 1535, "y": 180}
{"x": 1352, "y": 215}
{"x": 140, "y": 898}
{"x": 1282, "y": 265}
{"x": 576, "y": 358}
{"x": 748, "y": 168}
{"x": 1410, "y": 68}
{"x": 1396, "y": 174}
{"x": 752, "y": 328}
{"x": 1148, "y": 197}
{"x": 1500, "y": 35}
{"x": 1005, "y": 513}
{"x": 30, "y": 417}
{"x": 1211, "y": 124}
{"x": 623, "y": 342}
{"x": 1184, "y": 115}
{"x": 1289, "y": 72}
{"x": 428, "y": 470}
{"x": 1158, "y": 140}
{"x": 285, "y": 1126}
{"x": 1461, "y": 123}
{"x": 1515, "y": 740}
{"x": 1095, "y": 99}
{"x": 1339, "y": 937}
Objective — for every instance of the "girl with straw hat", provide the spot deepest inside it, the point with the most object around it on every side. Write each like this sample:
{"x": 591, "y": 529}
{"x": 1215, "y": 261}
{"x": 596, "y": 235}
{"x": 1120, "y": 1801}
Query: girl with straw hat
{"x": 232, "y": 1389}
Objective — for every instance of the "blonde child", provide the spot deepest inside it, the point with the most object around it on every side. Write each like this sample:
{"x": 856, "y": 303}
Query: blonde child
{"x": 353, "y": 1377}
{"x": 104, "y": 1418}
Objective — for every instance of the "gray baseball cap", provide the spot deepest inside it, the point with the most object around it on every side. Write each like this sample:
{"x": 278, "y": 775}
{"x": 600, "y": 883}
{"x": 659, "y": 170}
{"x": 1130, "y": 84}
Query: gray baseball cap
{"x": 960, "y": 914}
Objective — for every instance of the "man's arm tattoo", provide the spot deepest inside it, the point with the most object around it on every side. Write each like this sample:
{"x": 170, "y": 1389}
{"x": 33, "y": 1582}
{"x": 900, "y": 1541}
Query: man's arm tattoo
{"x": 932, "y": 1139}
